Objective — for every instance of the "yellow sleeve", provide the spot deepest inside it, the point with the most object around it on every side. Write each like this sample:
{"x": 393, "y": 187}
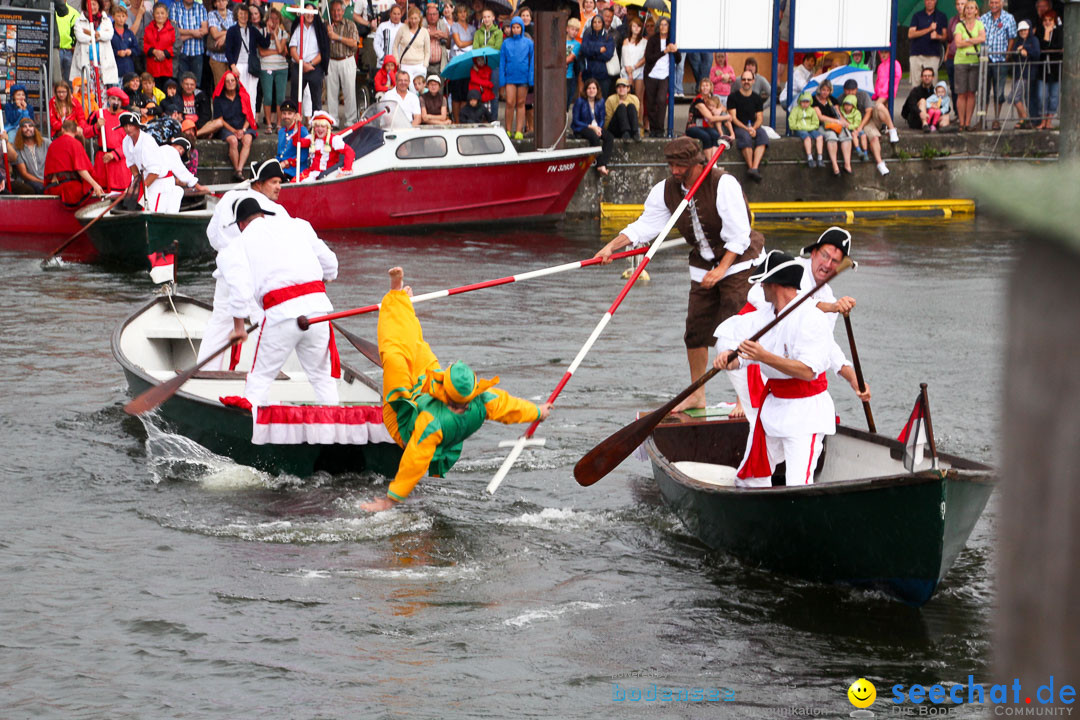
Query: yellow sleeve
{"x": 506, "y": 408}
{"x": 415, "y": 460}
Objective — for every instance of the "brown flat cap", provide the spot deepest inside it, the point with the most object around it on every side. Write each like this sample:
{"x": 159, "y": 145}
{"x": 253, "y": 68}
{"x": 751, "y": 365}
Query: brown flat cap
{"x": 684, "y": 151}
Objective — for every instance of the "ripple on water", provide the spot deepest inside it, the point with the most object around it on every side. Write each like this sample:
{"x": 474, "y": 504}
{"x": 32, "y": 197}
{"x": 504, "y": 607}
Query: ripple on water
{"x": 307, "y": 531}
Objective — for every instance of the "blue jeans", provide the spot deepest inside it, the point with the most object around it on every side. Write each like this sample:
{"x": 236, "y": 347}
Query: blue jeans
{"x": 700, "y": 63}
{"x": 804, "y": 134}
{"x": 65, "y": 63}
{"x": 1051, "y": 90}
{"x": 192, "y": 64}
{"x": 997, "y": 74}
{"x": 709, "y": 137}
{"x": 680, "y": 70}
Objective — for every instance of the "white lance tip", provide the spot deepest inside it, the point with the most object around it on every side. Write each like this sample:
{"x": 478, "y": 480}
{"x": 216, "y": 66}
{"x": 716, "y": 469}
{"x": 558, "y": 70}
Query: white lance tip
{"x": 539, "y": 442}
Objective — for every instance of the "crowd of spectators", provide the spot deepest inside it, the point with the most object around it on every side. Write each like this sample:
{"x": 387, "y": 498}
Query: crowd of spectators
{"x": 224, "y": 69}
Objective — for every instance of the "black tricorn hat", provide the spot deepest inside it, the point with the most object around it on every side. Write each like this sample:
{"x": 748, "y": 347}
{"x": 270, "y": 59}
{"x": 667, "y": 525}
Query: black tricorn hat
{"x": 248, "y": 208}
{"x": 837, "y": 236}
{"x": 266, "y": 170}
{"x": 780, "y": 268}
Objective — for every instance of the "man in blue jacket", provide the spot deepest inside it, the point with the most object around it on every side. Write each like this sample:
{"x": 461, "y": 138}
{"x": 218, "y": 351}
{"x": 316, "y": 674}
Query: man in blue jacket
{"x": 286, "y": 139}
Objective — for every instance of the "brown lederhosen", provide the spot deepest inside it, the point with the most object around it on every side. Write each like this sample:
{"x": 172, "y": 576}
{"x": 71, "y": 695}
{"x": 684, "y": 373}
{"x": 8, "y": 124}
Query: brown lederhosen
{"x": 707, "y": 308}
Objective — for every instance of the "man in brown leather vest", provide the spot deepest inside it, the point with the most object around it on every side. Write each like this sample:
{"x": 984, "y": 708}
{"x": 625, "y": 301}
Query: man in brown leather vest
{"x": 716, "y": 225}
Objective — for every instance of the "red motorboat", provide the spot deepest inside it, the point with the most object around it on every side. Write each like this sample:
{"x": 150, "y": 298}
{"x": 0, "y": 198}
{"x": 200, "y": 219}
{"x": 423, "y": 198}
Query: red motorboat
{"x": 438, "y": 175}
{"x": 37, "y": 215}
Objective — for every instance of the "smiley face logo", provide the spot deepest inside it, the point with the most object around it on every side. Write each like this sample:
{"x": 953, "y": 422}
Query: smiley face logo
{"x": 862, "y": 693}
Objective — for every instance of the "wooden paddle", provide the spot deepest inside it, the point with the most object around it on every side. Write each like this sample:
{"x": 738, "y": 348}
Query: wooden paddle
{"x": 87, "y": 226}
{"x": 858, "y": 374}
{"x": 366, "y": 348}
{"x": 158, "y": 394}
{"x": 606, "y": 456}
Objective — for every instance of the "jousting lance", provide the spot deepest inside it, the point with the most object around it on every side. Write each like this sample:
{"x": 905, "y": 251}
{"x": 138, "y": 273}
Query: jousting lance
{"x": 306, "y": 322}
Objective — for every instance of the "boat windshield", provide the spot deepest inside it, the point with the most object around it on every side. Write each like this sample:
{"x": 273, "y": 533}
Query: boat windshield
{"x": 393, "y": 118}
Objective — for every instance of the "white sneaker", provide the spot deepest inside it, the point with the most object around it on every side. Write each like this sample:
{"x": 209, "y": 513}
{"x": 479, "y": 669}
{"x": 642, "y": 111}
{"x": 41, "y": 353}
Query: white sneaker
{"x": 882, "y": 169}
{"x": 893, "y": 136}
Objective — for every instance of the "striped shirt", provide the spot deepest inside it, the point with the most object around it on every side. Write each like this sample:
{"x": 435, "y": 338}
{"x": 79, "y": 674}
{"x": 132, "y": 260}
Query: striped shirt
{"x": 215, "y": 21}
{"x": 999, "y": 32}
{"x": 189, "y": 18}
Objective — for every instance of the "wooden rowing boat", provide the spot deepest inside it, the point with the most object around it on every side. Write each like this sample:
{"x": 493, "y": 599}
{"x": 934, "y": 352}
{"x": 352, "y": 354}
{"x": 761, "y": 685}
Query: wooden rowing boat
{"x": 865, "y": 521}
{"x": 156, "y": 341}
{"x": 124, "y": 238}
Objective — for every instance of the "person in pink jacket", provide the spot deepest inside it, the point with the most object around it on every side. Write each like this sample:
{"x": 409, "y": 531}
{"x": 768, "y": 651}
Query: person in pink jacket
{"x": 881, "y": 92}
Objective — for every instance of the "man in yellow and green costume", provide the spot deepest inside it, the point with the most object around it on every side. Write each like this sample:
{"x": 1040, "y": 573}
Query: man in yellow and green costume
{"x": 430, "y": 411}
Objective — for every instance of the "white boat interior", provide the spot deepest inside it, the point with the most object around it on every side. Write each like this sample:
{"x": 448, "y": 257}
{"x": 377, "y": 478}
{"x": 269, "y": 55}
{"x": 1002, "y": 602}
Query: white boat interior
{"x": 163, "y": 342}
{"x": 193, "y": 207}
{"x": 845, "y": 458}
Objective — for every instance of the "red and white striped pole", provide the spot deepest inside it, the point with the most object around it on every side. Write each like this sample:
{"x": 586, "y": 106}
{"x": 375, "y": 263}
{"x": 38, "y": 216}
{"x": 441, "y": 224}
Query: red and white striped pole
{"x": 526, "y": 439}
{"x": 305, "y": 322}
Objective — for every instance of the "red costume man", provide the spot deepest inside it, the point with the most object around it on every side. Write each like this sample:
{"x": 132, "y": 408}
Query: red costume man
{"x": 110, "y": 165}
{"x": 67, "y": 168}
{"x": 326, "y": 149}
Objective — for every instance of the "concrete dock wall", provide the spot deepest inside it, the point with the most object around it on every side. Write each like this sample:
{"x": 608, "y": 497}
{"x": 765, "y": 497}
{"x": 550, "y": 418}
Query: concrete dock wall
{"x": 921, "y": 166}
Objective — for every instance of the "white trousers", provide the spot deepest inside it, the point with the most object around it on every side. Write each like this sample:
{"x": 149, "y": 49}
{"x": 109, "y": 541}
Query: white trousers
{"x": 278, "y": 339}
{"x": 164, "y": 196}
{"x": 801, "y": 454}
{"x": 250, "y": 83}
{"x": 220, "y": 326}
{"x": 342, "y": 78}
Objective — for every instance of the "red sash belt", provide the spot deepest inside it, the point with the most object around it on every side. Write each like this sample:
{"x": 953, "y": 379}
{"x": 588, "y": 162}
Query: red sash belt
{"x": 276, "y": 297}
{"x": 757, "y": 460}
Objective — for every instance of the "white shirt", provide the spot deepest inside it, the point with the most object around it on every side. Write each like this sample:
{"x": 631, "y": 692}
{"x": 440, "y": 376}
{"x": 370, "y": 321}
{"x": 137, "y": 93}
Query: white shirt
{"x": 731, "y": 207}
{"x": 273, "y": 253}
{"x": 166, "y": 160}
{"x": 805, "y": 336}
{"x": 311, "y": 42}
{"x": 384, "y": 38}
{"x": 662, "y": 67}
{"x": 142, "y": 154}
{"x": 222, "y": 229}
{"x": 409, "y": 106}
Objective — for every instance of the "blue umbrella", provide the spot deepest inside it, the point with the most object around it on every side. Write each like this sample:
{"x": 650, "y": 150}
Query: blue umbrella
{"x": 459, "y": 67}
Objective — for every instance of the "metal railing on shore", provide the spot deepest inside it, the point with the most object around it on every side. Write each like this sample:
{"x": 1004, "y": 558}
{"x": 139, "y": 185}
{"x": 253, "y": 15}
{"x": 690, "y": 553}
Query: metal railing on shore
{"x": 1028, "y": 91}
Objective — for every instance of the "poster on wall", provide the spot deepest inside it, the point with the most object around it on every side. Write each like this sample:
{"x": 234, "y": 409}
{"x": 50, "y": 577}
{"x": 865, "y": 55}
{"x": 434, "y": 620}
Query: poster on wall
{"x": 733, "y": 25}
{"x": 24, "y": 54}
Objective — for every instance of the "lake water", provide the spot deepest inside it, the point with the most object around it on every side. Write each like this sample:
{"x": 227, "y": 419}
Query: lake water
{"x": 146, "y": 578}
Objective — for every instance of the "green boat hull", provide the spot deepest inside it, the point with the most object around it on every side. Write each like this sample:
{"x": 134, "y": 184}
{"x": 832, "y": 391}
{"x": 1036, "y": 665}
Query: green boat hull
{"x": 124, "y": 240}
{"x": 226, "y": 430}
{"x": 899, "y": 533}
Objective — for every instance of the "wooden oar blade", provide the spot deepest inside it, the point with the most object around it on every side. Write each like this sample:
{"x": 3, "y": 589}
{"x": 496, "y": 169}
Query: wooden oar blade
{"x": 365, "y": 347}
{"x": 156, "y": 395}
{"x": 607, "y": 456}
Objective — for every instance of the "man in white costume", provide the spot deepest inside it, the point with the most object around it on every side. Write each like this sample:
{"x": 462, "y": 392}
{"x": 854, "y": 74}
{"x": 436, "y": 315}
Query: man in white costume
{"x": 818, "y": 260}
{"x": 172, "y": 176}
{"x": 141, "y": 153}
{"x": 796, "y": 411}
{"x": 287, "y": 266}
{"x": 265, "y": 188}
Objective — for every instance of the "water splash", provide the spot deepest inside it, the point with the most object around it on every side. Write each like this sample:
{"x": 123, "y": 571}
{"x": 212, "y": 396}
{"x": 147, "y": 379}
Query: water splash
{"x": 177, "y": 458}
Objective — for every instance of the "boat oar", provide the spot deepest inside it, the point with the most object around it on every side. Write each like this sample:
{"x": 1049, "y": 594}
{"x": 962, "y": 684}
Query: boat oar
{"x": 366, "y": 348}
{"x": 158, "y": 394}
{"x": 87, "y": 226}
{"x": 305, "y": 322}
{"x": 858, "y": 374}
{"x": 606, "y": 456}
{"x": 526, "y": 439}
